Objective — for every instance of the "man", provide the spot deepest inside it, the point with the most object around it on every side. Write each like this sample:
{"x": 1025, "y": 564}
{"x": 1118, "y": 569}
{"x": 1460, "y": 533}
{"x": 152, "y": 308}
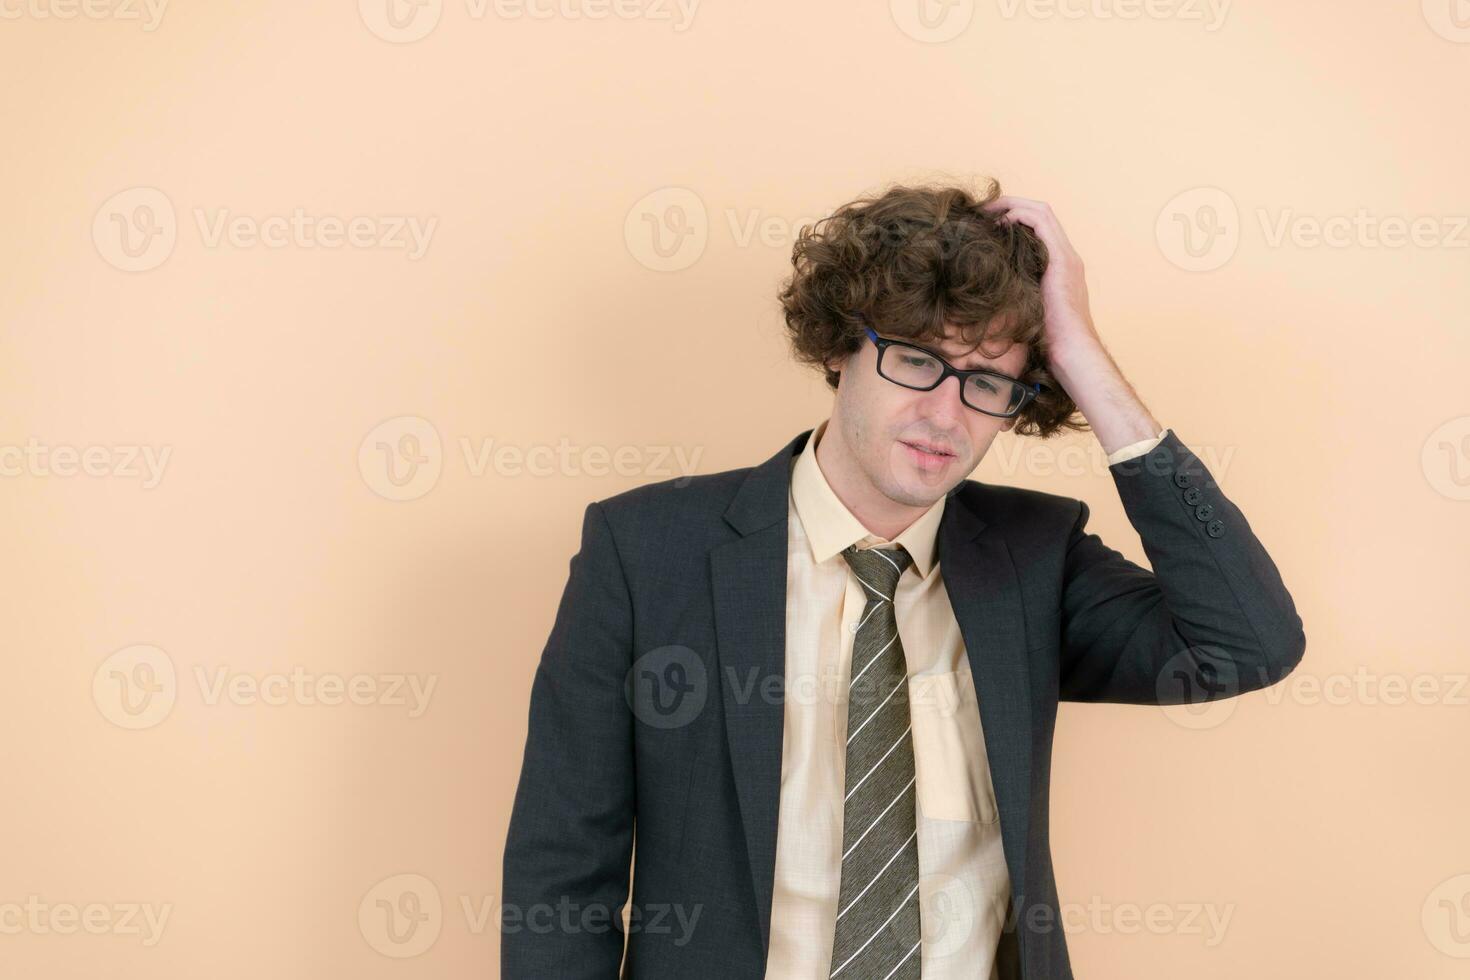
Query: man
{"x": 821, "y": 691}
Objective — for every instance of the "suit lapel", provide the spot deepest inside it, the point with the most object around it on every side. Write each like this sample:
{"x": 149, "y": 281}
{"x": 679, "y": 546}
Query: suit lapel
{"x": 985, "y": 592}
{"x": 748, "y": 576}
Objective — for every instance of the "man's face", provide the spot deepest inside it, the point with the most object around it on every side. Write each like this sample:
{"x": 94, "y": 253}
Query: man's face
{"x": 879, "y": 421}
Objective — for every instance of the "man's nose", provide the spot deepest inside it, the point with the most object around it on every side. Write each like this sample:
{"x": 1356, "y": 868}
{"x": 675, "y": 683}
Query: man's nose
{"x": 943, "y": 403}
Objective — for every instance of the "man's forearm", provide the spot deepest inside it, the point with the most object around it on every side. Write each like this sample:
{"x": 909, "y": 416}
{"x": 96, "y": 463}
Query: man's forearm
{"x": 1117, "y": 415}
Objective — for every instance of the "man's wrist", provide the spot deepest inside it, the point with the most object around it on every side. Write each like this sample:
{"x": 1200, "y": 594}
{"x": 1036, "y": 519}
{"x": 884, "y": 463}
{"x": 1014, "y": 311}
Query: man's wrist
{"x": 1136, "y": 449}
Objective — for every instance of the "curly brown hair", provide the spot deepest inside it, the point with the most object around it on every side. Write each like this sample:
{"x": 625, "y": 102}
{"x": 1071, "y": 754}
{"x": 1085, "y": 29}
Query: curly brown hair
{"x": 910, "y": 261}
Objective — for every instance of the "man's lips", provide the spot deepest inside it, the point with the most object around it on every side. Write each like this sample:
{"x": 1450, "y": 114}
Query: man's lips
{"x": 929, "y": 449}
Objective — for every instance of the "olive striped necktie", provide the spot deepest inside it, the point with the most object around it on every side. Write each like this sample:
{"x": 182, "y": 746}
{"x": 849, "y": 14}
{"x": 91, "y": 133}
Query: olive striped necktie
{"x": 878, "y": 928}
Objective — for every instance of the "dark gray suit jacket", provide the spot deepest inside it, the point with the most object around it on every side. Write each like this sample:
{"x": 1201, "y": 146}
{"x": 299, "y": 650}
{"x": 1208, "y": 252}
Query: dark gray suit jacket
{"x": 657, "y": 698}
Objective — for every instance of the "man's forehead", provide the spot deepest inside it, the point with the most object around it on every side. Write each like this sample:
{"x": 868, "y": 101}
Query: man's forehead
{"x": 955, "y": 347}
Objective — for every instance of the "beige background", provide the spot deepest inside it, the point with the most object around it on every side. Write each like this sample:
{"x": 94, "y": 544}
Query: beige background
{"x": 170, "y": 636}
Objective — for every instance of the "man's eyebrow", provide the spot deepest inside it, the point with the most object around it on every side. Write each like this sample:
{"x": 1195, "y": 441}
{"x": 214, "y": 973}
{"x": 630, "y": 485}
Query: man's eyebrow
{"x": 982, "y": 366}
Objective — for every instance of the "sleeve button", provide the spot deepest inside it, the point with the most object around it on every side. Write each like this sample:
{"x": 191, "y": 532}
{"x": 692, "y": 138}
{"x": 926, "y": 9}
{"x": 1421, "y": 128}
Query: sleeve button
{"x": 1181, "y": 479}
{"x": 1215, "y": 528}
{"x": 1204, "y": 511}
{"x": 1193, "y": 496}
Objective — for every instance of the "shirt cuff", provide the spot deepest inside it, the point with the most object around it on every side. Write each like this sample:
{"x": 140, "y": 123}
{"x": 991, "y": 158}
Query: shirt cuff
{"x": 1135, "y": 449}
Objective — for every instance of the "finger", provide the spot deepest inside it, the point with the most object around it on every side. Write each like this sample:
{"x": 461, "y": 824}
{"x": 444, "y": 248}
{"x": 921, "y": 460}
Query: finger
{"x": 1038, "y": 216}
{"x": 1041, "y": 219}
{"x": 1011, "y": 200}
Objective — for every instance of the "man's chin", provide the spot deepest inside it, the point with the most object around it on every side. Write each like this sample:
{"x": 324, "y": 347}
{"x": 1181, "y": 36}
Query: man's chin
{"x": 918, "y": 490}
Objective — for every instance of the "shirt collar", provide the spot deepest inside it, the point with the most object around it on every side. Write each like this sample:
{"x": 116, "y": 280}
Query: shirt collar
{"x": 830, "y": 526}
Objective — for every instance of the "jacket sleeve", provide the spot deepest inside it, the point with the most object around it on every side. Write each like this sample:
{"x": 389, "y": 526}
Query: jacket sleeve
{"x": 1212, "y": 620}
{"x": 568, "y": 848}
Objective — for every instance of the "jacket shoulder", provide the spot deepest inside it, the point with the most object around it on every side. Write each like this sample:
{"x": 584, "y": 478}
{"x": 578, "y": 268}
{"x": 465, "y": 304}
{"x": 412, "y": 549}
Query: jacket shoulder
{"x": 674, "y": 520}
{"x": 708, "y": 490}
{"x": 1018, "y": 508}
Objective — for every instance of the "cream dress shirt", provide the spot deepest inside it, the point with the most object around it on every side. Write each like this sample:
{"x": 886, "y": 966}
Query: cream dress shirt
{"x": 964, "y": 887}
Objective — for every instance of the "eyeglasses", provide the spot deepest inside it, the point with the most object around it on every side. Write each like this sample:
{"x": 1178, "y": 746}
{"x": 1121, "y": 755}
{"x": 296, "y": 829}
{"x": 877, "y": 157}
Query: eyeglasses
{"x": 923, "y": 370}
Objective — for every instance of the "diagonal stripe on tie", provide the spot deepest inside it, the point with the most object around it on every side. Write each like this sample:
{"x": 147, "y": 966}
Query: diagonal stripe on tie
{"x": 878, "y": 923}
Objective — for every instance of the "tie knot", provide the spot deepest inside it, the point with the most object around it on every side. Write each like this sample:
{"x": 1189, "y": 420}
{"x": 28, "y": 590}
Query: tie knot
{"x": 878, "y": 568}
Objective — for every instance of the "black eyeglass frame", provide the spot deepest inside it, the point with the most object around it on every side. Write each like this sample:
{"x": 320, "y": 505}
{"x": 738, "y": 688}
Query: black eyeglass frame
{"x": 883, "y": 343}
